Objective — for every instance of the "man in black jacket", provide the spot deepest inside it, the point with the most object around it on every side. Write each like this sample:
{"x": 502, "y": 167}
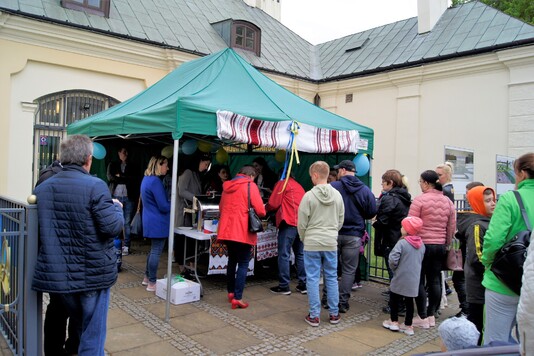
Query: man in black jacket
{"x": 76, "y": 261}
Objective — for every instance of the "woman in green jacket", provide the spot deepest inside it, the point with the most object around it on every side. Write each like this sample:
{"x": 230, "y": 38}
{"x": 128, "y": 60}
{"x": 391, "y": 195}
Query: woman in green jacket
{"x": 507, "y": 221}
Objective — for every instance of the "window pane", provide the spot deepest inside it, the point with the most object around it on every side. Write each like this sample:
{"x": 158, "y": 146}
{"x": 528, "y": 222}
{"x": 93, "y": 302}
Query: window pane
{"x": 95, "y": 3}
{"x": 250, "y": 33}
{"x": 239, "y": 30}
{"x": 249, "y": 43}
{"x": 239, "y": 41}
{"x": 48, "y": 150}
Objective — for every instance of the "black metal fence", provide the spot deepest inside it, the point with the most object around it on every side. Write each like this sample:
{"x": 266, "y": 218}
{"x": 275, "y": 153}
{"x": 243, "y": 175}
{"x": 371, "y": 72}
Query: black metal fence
{"x": 377, "y": 270}
{"x": 20, "y": 307}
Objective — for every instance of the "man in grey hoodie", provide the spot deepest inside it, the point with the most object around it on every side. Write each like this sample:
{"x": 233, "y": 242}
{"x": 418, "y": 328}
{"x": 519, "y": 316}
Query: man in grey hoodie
{"x": 320, "y": 217}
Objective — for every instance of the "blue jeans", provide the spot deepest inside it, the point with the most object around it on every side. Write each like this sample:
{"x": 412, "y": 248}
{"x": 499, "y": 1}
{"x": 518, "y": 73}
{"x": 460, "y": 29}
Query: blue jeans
{"x": 89, "y": 310}
{"x": 500, "y": 317}
{"x": 313, "y": 262}
{"x": 238, "y": 256}
{"x": 349, "y": 254}
{"x": 152, "y": 260}
{"x": 127, "y": 209}
{"x": 288, "y": 238}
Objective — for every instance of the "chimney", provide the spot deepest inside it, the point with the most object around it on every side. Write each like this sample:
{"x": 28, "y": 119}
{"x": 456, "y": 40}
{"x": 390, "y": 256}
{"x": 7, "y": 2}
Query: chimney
{"x": 428, "y": 13}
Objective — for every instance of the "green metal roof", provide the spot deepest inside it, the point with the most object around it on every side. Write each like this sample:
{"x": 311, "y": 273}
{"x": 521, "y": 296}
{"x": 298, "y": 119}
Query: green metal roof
{"x": 186, "y": 25}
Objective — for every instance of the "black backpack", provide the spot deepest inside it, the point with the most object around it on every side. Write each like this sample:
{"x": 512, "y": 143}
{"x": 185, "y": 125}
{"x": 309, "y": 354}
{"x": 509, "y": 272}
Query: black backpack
{"x": 508, "y": 263}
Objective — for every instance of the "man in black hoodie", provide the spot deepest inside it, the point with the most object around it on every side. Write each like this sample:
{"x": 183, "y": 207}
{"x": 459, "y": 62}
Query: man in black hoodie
{"x": 360, "y": 205}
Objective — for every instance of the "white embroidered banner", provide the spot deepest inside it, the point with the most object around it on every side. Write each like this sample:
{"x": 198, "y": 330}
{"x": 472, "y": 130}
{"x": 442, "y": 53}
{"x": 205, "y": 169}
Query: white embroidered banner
{"x": 277, "y": 134}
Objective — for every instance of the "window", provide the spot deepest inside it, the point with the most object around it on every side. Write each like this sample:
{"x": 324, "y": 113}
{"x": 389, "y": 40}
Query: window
{"x": 54, "y": 113}
{"x": 95, "y": 7}
{"x": 247, "y": 36}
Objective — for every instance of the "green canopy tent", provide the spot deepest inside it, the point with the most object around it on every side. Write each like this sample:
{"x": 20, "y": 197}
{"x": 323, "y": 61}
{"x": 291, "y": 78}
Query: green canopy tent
{"x": 187, "y": 101}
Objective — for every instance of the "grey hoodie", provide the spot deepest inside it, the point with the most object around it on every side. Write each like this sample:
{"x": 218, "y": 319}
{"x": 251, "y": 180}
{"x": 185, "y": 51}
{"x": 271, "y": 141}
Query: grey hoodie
{"x": 321, "y": 214}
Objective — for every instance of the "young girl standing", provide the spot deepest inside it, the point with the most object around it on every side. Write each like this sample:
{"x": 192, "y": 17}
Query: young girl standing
{"x": 405, "y": 260}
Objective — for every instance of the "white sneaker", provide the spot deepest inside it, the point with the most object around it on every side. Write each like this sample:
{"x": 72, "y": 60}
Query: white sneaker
{"x": 125, "y": 251}
{"x": 391, "y": 325}
{"x": 408, "y": 330}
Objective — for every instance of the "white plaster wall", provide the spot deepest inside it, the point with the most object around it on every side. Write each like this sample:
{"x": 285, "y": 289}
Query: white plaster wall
{"x": 38, "y": 79}
{"x": 414, "y": 121}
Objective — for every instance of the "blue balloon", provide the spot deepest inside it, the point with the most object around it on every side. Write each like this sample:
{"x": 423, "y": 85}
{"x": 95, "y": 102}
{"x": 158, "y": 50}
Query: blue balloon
{"x": 189, "y": 147}
{"x": 362, "y": 164}
{"x": 99, "y": 151}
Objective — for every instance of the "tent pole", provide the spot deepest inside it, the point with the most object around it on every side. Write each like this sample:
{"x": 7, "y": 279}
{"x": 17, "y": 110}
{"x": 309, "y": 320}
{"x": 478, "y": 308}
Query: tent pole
{"x": 171, "y": 229}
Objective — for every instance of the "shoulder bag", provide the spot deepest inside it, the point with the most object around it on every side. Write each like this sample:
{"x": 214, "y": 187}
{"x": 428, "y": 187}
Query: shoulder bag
{"x": 136, "y": 226}
{"x": 508, "y": 263}
{"x": 453, "y": 259}
{"x": 254, "y": 222}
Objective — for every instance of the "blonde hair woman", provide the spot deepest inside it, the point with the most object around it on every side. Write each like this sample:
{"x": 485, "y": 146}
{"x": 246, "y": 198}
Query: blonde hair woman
{"x": 156, "y": 216}
{"x": 444, "y": 172}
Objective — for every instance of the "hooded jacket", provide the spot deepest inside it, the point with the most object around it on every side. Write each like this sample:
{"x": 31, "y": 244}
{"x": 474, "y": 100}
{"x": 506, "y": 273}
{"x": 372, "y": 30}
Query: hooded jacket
{"x": 354, "y": 223}
{"x": 286, "y": 203}
{"x": 505, "y": 223}
{"x": 77, "y": 224}
{"x": 320, "y": 217}
{"x": 393, "y": 206}
{"x": 233, "y": 223}
{"x": 405, "y": 260}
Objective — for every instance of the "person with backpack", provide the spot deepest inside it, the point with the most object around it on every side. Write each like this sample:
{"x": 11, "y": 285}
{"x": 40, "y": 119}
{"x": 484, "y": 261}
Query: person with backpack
{"x": 506, "y": 222}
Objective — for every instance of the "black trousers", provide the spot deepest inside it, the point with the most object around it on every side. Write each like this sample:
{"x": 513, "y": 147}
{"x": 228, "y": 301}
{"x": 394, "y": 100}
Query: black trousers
{"x": 55, "y": 326}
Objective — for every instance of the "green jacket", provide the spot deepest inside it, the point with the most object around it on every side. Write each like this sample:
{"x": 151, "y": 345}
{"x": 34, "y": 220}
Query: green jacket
{"x": 505, "y": 223}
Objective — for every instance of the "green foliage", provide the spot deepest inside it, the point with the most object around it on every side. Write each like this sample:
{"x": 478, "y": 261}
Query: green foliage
{"x": 521, "y": 9}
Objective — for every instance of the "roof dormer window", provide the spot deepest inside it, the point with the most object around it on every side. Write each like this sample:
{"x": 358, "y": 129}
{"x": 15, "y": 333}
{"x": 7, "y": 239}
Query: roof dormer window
{"x": 95, "y": 7}
{"x": 246, "y": 36}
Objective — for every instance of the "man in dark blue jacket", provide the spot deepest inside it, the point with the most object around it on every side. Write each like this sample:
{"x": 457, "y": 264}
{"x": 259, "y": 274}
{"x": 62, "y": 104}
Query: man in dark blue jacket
{"x": 360, "y": 205}
{"x": 77, "y": 223}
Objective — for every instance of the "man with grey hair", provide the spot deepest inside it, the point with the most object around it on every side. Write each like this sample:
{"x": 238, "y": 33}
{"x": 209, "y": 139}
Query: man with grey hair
{"x": 76, "y": 261}
{"x": 458, "y": 333}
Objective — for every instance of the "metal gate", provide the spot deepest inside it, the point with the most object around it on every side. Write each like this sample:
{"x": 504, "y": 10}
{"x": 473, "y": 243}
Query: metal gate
{"x": 20, "y": 307}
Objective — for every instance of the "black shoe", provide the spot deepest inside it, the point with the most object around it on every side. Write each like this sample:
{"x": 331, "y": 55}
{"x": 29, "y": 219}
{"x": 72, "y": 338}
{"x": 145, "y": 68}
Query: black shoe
{"x": 280, "y": 290}
{"x": 448, "y": 291}
{"x": 385, "y": 293}
{"x": 324, "y": 303}
{"x": 344, "y": 308}
{"x": 302, "y": 289}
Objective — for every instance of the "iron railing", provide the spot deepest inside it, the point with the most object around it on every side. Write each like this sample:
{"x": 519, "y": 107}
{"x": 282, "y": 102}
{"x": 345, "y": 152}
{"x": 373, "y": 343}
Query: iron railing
{"x": 20, "y": 307}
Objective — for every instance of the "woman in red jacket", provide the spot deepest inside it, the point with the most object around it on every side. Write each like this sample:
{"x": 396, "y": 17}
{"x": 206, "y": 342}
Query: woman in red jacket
{"x": 233, "y": 229}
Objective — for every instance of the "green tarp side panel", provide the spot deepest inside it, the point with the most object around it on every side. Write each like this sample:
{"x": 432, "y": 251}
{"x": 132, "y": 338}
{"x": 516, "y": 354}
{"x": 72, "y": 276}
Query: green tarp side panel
{"x": 187, "y": 99}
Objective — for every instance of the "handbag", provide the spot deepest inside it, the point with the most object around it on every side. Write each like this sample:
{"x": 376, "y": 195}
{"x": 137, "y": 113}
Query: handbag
{"x": 508, "y": 263}
{"x": 136, "y": 226}
{"x": 454, "y": 259}
{"x": 254, "y": 222}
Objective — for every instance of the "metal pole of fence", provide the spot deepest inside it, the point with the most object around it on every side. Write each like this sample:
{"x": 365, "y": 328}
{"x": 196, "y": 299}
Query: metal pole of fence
{"x": 33, "y": 301}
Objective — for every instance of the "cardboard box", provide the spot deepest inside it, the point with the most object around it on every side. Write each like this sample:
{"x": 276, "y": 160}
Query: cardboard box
{"x": 181, "y": 292}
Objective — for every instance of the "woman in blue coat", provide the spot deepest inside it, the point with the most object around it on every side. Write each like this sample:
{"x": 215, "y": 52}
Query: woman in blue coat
{"x": 156, "y": 216}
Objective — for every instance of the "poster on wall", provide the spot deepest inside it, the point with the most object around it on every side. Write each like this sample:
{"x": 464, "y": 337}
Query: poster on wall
{"x": 463, "y": 161}
{"x": 505, "y": 174}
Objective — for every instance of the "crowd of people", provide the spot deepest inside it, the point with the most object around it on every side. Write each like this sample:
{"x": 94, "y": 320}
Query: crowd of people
{"x": 325, "y": 228}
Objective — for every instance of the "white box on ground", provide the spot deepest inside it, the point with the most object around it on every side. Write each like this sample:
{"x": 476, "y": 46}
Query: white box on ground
{"x": 181, "y": 292}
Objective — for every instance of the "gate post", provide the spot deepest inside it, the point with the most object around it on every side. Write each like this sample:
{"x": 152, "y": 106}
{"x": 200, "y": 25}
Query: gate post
{"x": 33, "y": 301}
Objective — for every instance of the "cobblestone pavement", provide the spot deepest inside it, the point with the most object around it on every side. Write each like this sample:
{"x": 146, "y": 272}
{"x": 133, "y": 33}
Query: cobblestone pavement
{"x": 271, "y": 325}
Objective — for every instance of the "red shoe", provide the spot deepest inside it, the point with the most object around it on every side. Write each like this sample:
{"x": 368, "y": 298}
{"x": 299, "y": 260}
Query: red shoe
{"x": 230, "y": 297}
{"x": 239, "y": 304}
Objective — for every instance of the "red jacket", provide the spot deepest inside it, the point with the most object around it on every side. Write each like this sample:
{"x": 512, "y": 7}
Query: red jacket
{"x": 287, "y": 203}
{"x": 233, "y": 224}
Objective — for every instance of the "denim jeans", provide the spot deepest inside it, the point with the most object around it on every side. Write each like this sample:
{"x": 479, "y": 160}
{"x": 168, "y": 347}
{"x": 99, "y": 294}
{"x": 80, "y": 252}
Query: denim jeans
{"x": 239, "y": 255}
{"x": 349, "y": 254}
{"x": 288, "y": 238}
{"x": 500, "y": 317}
{"x": 430, "y": 280}
{"x": 314, "y": 261}
{"x": 89, "y": 310}
{"x": 152, "y": 260}
{"x": 127, "y": 210}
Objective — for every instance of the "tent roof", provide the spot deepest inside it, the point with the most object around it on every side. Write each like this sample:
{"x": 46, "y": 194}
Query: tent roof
{"x": 187, "y": 99}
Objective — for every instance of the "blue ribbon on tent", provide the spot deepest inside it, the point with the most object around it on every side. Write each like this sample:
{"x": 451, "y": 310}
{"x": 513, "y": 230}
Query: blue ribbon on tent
{"x": 291, "y": 152}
